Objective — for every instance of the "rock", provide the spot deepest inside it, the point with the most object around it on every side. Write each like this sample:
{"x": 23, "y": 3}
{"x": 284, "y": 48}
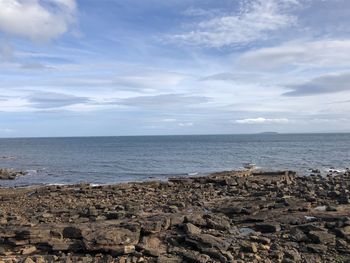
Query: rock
{"x": 293, "y": 255}
{"x": 225, "y": 217}
{"x": 249, "y": 247}
{"x": 191, "y": 229}
{"x": 203, "y": 241}
{"x": 315, "y": 248}
{"x": 196, "y": 219}
{"x": 112, "y": 239}
{"x": 344, "y": 200}
{"x": 72, "y": 232}
{"x": 219, "y": 222}
{"x": 115, "y": 215}
{"x": 191, "y": 256}
{"x": 169, "y": 259}
{"x": 176, "y": 219}
{"x": 28, "y": 250}
{"x": 261, "y": 240}
{"x": 153, "y": 246}
{"x": 267, "y": 227}
{"x": 297, "y": 235}
{"x": 320, "y": 237}
{"x": 155, "y": 224}
{"x": 28, "y": 260}
{"x": 10, "y": 174}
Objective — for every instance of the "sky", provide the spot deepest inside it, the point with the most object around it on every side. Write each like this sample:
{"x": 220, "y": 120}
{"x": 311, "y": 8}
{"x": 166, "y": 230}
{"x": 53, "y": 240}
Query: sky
{"x": 155, "y": 67}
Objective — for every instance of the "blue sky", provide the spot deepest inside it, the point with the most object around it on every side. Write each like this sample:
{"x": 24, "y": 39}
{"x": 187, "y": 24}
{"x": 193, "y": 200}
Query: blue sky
{"x": 132, "y": 67}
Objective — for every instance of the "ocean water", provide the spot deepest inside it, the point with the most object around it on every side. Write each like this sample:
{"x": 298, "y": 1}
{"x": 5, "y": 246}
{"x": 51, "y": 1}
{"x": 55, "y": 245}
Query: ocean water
{"x": 104, "y": 160}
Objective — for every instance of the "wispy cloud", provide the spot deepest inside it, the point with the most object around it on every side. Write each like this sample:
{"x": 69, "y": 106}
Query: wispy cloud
{"x": 330, "y": 83}
{"x": 255, "y": 21}
{"x": 6, "y": 51}
{"x": 163, "y": 101}
{"x": 48, "y": 100}
{"x": 325, "y": 53}
{"x": 37, "y": 20}
{"x": 261, "y": 120}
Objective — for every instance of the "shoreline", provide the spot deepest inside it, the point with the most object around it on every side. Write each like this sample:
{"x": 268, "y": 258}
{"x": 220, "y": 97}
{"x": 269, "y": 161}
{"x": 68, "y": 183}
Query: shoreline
{"x": 232, "y": 216}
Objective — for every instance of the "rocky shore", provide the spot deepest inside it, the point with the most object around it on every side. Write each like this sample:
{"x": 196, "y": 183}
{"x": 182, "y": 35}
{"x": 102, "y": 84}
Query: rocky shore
{"x": 225, "y": 217}
{"x": 10, "y": 174}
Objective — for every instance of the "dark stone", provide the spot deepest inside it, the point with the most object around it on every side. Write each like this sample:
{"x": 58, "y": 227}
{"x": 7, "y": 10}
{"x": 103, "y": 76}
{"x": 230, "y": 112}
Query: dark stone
{"x": 268, "y": 227}
{"x": 248, "y": 247}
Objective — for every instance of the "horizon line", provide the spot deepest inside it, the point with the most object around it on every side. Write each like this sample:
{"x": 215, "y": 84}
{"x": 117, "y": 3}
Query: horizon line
{"x": 170, "y": 135}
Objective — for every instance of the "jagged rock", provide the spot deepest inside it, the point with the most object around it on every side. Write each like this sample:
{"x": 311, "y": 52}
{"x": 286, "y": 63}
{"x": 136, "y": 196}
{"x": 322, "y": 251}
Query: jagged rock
{"x": 191, "y": 229}
{"x": 219, "y": 222}
{"x": 321, "y": 237}
{"x": 315, "y": 248}
{"x": 297, "y": 235}
{"x": 203, "y": 241}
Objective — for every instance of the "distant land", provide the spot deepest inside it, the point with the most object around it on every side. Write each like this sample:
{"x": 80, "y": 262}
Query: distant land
{"x": 268, "y": 133}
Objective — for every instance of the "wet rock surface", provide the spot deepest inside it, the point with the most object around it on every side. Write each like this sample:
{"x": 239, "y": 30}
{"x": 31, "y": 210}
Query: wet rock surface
{"x": 10, "y": 174}
{"x": 224, "y": 217}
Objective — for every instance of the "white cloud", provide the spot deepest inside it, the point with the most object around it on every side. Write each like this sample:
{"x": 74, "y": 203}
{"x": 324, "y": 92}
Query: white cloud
{"x": 253, "y": 22}
{"x": 261, "y": 120}
{"x": 36, "y": 20}
{"x": 169, "y": 120}
{"x": 186, "y": 124}
{"x": 302, "y": 54}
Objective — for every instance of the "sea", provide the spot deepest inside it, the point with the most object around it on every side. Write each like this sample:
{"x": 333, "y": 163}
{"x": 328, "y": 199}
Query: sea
{"x": 107, "y": 160}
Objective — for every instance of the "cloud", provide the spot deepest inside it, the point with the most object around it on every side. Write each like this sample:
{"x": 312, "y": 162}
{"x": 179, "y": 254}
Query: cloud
{"x": 140, "y": 80}
{"x": 255, "y": 21}
{"x": 186, "y": 124}
{"x": 37, "y": 20}
{"x": 169, "y": 120}
{"x": 47, "y": 100}
{"x": 302, "y": 54}
{"x": 261, "y": 120}
{"x": 6, "y": 52}
{"x": 35, "y": 66}
{"x": 330, "y": 83}
{"x": 163, "y": 101}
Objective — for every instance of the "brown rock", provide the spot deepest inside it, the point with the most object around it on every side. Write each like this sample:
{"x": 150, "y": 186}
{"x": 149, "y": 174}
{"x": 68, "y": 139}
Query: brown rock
{"x": 191, "y": 229}
{"x": 321, "y": 237}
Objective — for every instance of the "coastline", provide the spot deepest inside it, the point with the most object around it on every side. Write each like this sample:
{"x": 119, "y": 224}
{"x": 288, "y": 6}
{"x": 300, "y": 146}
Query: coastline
{"x": 234, "y": 216}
